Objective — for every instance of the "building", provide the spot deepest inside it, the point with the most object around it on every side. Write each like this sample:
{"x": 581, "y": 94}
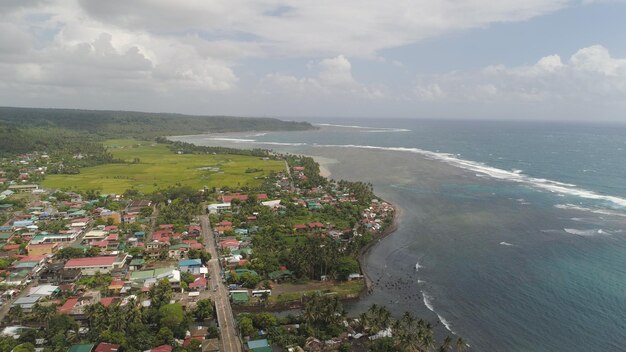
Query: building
{"x": 259, "y": 346}
{"x": 23, "y": 188}
{"x": 92, "y": 265}
{"x": 190, "y": 265}
{"x": 41, "y": 249}
{"x": 218, "y": 208}
{"x": 49, "y": 238}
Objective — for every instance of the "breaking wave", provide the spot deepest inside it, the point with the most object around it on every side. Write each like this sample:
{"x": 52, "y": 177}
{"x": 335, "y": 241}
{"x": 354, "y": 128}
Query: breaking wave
{"x": 587, "y": 233}
{"x": 428, "y": 303}
{"x": 365, "y": 128}
{"x": 506, "y": 244}
{"x": 514, "y": 176}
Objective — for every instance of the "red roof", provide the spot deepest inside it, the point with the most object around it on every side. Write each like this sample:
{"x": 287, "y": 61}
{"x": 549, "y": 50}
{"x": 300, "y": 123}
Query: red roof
{"x": 106, "y": 347}
{"x": 10, "y": 247}
{"x": 93, "y": 261}
{"x": 101, "y": 244}
{"x": 107, "y": 301}
{"x": 166, "y": 226}
{"x": 299, "y": 226}
{"x": 67, "y": 307}
{"x": 162, "y": 348}
{"x": 32, "y": 258}
{"x": 316, "y": 224}
{"x": 197, "y": 246}
{"x": 110, "y": 228}
{"x": 298, "y": 168}
{"x": 225, "y": 223}
{"x": 198, "y": 282}
{"x": 112, "y": 237}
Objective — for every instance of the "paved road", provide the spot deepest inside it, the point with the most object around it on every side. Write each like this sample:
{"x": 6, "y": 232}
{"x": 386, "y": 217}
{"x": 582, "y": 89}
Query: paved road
{"x": 228, "y": 328}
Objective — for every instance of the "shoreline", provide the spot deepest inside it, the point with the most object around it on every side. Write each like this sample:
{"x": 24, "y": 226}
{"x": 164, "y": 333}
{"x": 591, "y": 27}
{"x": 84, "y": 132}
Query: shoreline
{"x": 393, "y": 227}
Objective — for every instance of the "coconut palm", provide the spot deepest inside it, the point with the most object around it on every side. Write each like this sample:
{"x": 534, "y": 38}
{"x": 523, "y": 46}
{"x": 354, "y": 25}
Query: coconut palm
{"x": 460, "y": 344}
{"x": 446, "y": 345}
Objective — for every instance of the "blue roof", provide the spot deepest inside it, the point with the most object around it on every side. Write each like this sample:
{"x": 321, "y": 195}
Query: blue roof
{"x": 23, "y": 223}
{"x": 190, "y": 262}
{"x": 5, "y": 229}
{"x": 139, "y": 233}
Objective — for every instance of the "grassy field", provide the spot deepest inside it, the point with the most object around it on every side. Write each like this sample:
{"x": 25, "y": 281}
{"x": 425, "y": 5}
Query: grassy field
{"x": 149, "y": 166}
{"x": 285, "y": 293}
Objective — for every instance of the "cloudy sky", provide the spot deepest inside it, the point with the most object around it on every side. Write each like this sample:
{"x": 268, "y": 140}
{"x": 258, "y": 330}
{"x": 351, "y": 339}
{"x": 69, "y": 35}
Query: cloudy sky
{"x": 531, "y": 59}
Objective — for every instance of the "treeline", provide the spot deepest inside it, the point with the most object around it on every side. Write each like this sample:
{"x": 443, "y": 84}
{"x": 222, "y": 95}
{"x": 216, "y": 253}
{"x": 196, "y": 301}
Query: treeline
{"x": 189, "y": 148}
{"x": 143, "y": 125}
{"x": 67, "y": 150}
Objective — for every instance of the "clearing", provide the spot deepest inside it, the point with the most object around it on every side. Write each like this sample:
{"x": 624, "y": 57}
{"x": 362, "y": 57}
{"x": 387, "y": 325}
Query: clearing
{"x": 149, "y": 166}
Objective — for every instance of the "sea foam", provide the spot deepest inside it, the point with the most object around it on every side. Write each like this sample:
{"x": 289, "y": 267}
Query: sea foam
{"x": 514, "y": 176}
{"x": 428, "y": 303}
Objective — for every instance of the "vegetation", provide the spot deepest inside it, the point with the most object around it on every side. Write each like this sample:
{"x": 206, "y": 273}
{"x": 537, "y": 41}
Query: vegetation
{"x": 115, "y": 124}
{"x": 158, "y": 168}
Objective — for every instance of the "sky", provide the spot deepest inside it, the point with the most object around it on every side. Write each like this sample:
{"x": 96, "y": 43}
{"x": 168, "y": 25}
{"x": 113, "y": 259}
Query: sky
{"x": 474, "y": 59}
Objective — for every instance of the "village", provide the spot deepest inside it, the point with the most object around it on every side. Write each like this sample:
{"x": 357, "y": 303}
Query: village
{"x": 220, "y": 257}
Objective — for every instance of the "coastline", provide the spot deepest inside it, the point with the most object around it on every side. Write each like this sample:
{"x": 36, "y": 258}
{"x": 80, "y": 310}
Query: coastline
{"x": 393, "y": 226}
{"x": 325, "y": 172}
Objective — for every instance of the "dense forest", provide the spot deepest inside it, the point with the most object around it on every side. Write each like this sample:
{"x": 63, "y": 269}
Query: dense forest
{"x": 143, "y": 125}
{"x": 71, "y": 138}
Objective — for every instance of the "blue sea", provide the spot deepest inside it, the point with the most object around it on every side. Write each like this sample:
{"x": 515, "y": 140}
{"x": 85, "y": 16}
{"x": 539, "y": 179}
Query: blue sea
{"x": 511, "y": 234}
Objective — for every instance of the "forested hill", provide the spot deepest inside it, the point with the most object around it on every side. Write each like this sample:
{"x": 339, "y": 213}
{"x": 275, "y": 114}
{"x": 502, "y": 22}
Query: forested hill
{"x": 117, "y": 124}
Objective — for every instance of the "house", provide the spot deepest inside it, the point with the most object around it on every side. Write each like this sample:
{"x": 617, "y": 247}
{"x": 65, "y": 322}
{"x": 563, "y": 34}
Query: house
{"x": 178, "y": 250}
{"x": 50, "y": 238}
{"x": 95, "y": 235}
{"x": 26, "y": 303}
{"x": 107, "y": 347}
{"x": 239, "y": 296}
{"x": 162, "y": 348}
{"x": 259, "y": 346}
{"x": 229, "y": 243}
{"x": 200, "y": 283}
{"x": 193, "y": 266}
{"x": 136, "y": 264}
{"x": 41, "y": 249}
{"x": 92, "y": 265}
{"x": 87, "y": 347}
{"x": 218, "y": 208}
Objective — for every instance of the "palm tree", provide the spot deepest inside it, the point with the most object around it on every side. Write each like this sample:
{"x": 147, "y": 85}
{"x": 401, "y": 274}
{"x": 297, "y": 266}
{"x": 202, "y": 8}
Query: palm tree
{"x": 460, "y": 344}
{"x": 446, "y": 345}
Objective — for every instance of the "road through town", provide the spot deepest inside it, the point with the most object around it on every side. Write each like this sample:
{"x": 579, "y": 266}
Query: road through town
{"x": 228, "y": 328}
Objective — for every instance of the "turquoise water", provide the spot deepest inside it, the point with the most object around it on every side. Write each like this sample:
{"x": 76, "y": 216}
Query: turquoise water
{"x": 520, "y": 232}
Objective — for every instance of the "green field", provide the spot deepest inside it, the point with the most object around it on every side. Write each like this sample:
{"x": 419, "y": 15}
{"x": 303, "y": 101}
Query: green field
{"x": 157, "y": 167}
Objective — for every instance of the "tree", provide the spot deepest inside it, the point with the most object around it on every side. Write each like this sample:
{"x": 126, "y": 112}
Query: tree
{"x": 25, "y": 347}
{"x": 70, "y": 252}
{"x": 171, "y": 316}
{"x": 161, "y": 294}
{"x": 203, "y": 310}
{"x": 265, "y": 320}
{"x": 346, "y": 266}
{"x": 165, "y": 336}
{"x": 246, "y": 326}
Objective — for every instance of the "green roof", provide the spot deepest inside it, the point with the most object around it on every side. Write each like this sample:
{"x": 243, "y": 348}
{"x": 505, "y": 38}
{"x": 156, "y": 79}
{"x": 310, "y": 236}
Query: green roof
{"x": 87, "y": 347}
{"x": 138, "y": 261}
{"x": 5, "y": 235}
{"x": 178, "y": 246}
{"x": 239, "y": 297}
{"x": 142, "y": 275}
{"x": 259, "y": 345}
{"x": 279, "y": 274}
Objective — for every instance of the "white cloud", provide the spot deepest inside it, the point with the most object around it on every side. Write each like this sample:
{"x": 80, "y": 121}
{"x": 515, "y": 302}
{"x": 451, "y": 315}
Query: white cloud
{"x": 589, "y": 74}
{"x": 334, "y": 77}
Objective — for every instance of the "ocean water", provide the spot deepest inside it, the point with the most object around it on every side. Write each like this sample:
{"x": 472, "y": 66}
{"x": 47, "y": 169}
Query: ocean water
{"x": 512, "y": 234}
